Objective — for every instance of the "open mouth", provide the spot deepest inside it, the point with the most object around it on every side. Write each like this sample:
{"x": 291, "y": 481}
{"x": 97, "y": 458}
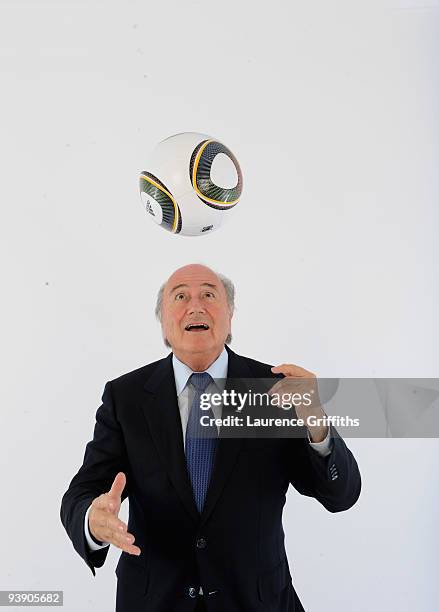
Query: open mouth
{"x": 196, "y": 327}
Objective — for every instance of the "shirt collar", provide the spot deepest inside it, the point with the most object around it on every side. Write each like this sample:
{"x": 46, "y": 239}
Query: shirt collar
{"x": 182, "y": 372}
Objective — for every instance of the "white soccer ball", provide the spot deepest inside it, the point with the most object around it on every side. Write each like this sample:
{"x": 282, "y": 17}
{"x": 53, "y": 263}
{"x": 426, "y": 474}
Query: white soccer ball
{"x": 192, "y": 183}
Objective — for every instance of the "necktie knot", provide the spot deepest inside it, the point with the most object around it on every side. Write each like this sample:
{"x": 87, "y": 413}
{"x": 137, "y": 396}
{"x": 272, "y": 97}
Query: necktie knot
{"x": 200, "y": 380}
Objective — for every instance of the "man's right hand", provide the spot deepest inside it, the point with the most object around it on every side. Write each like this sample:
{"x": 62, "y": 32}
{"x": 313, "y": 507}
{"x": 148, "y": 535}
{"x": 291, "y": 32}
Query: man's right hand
{"x": 103, "y": 521}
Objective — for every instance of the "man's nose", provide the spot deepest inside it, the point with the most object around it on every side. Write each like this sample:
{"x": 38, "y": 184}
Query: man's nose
{"x": 195, "y": 306}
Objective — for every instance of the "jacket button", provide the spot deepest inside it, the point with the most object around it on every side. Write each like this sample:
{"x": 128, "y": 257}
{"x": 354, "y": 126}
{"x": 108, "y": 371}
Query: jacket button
{"x": 201, "y": 543}
{"x": 192, "y": 592}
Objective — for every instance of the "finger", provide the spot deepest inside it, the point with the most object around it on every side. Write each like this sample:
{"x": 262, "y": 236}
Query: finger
{"x": 101, "y": 521}
{"x": 132, "y": 550}
{"x": 113, "y": 524}
{"x": 292, "y": 385}
{"x": 118, "y": 486}
{"x": 284, "y": 369}
{"x": 285, "y": 385}
{"x": 122, "y": 539}
{"x": 113, "y": 534}
{"x": 125, "y": 543}
{"x": 289, "y": 369}
{"x": 275, "y": 389}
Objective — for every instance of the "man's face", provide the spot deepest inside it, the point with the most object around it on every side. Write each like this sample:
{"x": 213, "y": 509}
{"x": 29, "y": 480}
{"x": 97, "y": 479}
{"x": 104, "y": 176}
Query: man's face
{"x": 195, "y": 314}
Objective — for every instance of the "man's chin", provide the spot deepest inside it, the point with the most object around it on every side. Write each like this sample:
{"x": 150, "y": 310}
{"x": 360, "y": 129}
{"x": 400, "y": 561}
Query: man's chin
{"x": 198, "y": 344}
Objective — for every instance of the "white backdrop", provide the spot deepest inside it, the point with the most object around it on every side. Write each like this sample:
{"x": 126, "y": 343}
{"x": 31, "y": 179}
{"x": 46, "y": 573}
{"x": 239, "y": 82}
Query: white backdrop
{"x": 331, "y": 109}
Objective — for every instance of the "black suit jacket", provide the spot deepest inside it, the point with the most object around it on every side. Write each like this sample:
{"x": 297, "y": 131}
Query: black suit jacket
{"x": 235, "y": 548}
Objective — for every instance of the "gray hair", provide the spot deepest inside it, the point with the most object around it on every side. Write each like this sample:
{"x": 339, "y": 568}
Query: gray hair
{"x": 229, "y": 288}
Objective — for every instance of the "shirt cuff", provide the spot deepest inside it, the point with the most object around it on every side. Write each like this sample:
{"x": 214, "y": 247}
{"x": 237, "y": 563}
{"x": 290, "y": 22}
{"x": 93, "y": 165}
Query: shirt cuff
{"x": 323, "y": 448}
{"x": 92, "y": 543}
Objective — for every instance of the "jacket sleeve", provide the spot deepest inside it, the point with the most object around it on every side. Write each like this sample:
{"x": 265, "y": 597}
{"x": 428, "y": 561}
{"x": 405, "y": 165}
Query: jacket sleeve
{"x": 104, "y": 457}
{"x": 334, "y": 480}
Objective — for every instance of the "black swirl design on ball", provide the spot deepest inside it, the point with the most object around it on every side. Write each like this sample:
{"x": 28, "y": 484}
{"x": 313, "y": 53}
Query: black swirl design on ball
{"x": 199, "y": 171}
{"x": 171, "y": 216}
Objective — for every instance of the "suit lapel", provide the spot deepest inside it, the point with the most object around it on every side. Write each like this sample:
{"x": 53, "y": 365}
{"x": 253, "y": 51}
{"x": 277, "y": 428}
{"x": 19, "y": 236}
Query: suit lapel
{"x": 162, "y": 415}
{"x": 160, "y": 409}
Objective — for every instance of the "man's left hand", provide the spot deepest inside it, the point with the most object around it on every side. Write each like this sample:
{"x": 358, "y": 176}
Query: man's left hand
{"x": 299, "y": 381}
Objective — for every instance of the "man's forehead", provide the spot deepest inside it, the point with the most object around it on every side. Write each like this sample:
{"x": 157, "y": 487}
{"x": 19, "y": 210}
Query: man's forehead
{"x": 202, "y": 278}
{"x": 182, "y": 285}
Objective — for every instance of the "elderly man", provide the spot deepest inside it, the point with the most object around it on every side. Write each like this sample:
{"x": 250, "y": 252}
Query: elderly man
{"x": 205, "y": 515}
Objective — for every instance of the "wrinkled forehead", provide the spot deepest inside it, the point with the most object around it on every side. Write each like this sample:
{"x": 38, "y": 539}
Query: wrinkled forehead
{"x": 193, "y": 279}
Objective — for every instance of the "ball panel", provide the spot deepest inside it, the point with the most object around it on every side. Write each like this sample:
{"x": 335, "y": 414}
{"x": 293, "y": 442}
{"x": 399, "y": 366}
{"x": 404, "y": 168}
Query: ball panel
{"x": 154, "y": 193}
{"x": 223, "y": 172}
{"x": 200, "y": 174}
{"x": 152, "y": 207}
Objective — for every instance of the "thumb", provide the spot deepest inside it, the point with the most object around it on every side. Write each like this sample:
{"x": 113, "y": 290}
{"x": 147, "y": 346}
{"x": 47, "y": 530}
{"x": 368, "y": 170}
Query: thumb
{"x": 118, "y": 486}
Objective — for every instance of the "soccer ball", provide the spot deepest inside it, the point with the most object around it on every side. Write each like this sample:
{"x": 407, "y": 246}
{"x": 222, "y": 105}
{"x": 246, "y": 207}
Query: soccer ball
{"x": 192, "y": 183}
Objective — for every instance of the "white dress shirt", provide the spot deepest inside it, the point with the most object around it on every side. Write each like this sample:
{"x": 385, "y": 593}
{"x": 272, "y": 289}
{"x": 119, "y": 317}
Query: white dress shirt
{"x": 182, "y": 373}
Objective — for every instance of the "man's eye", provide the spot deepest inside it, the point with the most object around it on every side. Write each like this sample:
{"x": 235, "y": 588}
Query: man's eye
{"x": 209, "y": 294}
{"x": 179, "y": 296}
